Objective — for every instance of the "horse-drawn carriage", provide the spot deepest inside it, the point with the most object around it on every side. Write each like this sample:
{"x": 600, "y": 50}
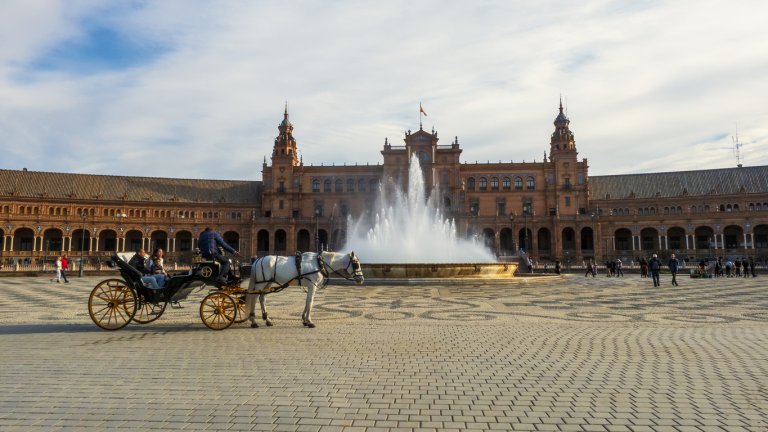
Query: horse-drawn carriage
{"x": 114, "y": 303}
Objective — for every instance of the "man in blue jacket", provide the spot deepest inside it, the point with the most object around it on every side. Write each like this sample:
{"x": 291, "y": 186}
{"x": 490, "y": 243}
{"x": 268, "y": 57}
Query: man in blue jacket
{"x": 209, "y": 243}
{"x": 654, "y": 265}
{"x": 673, "y": 264}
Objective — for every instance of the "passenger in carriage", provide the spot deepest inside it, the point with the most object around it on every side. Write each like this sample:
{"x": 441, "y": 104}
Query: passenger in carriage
{"x": 139, "y": 262}
{"x": 209, "y": 243}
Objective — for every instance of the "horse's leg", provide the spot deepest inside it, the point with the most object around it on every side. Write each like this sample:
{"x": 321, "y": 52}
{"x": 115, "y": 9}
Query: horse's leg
{"x": 250, "y": 305}
{"x": 264, "y": 316}
{"x": 308, "y": 306}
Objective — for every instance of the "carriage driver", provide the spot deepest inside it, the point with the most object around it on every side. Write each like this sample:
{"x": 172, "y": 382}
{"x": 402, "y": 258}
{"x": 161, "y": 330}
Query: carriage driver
{"x": 209, "y": 243}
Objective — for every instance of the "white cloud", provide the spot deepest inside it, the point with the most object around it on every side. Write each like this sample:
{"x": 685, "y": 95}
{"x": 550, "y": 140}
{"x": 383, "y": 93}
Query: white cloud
{"x": 646, "y": 86}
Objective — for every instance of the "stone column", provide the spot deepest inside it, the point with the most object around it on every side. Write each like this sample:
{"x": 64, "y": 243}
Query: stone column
{"x": 686, "y": 243}
{"x": 10, "y": 243}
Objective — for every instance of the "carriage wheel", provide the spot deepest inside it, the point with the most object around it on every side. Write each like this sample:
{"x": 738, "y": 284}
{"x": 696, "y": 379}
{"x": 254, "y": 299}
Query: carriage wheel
{"x": 148, "y": 312}
{"x": 241, "y": 316}
{"x": 218, "y": 310}
{"x": 112, "y": 304}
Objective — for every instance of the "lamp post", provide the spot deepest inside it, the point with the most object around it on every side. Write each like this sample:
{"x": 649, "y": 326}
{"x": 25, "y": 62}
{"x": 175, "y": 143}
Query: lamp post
{"x": 120, "y": 217}
{"x": 512, "y": 237}
{"x": 317, "y": 229}
{"x": 525, "y": 232}
{"x": 82, "y": 246}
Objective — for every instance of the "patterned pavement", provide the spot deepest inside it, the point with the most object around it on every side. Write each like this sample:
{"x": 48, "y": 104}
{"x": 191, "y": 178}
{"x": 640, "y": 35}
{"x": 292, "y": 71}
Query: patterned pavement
{"x": 563, "y": 354}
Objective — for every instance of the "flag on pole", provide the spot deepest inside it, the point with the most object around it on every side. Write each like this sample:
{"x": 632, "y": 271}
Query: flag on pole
{"x": 421, "y": 110}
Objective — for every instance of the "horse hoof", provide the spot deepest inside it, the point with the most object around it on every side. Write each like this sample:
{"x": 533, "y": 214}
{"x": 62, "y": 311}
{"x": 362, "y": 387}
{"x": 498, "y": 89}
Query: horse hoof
{"x": 311, "y": 325}
{"x": 254, "y": 325}
{"x": 269, "y": 323}
{"x": 305, "y": 324}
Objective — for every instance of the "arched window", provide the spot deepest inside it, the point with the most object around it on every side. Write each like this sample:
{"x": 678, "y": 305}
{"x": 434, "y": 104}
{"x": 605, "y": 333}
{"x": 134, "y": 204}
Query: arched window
{"x": 350, "y": 185}
{"x": 653, "y": 211}
{"x": 471, "y": 183}
{"x": 339, "y": 185}
{"x": 518, "y": 183}
{"x": 666, "y": 210}
{"x": 530, "y": 183}
{"x": 506, "y": 183}
{"x": 361, "y": 185}
{"x": 735, "y": 207}
{"x": 327, "y": 186}
{"x": 374, "y": 185}
{"x": 483, "y": 183}
{"x": 495, "y": 183}
{"x": 315, "y": 185}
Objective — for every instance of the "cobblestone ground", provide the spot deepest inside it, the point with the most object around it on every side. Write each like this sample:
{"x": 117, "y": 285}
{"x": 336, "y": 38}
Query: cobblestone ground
{"x": 569, "y": 354}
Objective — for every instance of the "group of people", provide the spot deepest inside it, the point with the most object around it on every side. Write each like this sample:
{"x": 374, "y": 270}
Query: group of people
{"x": 62, "y": 266}
{"x": 154, "y": 274}
{"x": 739, "y": 267}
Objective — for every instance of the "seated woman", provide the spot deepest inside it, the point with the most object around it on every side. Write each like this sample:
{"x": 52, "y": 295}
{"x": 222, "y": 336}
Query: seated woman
{"x": 157, "y": 279}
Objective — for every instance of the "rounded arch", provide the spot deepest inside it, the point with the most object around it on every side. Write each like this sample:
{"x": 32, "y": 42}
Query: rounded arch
{"x": 733, "y": 237}
{"x": 53, "y": 240}
{"x": 232, "y": 238}
{"x": 525, "y": 238}
{"x": 676, "y": 238}
{"x": 705, "y": 237}
{"x": 569, "y": 239}
{"x": 281, "y": 242}
{"x": 133, "y": 240}
{"x": 183, "y": 241}
{"x": 649, "y": 239}
{"x": 262, "y": 243}
{"x": 108, "y": 240}
{"x": 302, "y": 241}
{"x": 489, "y": 238}
{"x": 322, "y": 239}
{"x": 81, "y": 240}
{"x": 338, "y": 239}
{"x": 2, "y": 239}
{"x": 23, "y": 239}
{"x": 761, "y": 236}
{"x": 587, "y": 240}
{"x": 158, "y": 239}
{"x": 506, "y": 242}
{"x": 623, "y": 239}
{"x": 544, "y": 239}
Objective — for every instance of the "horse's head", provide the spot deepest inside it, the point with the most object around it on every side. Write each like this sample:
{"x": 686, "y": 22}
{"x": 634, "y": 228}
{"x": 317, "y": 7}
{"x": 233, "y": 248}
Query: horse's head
{"x": 357, "y": 270}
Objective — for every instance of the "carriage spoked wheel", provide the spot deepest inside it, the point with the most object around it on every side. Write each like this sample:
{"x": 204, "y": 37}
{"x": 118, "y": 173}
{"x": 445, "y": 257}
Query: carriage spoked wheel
{"x": 218, "y": 310}
{"x": 240, "y": 301}
{"x": 112, "y": 304}
{"x": 148, "y": 312}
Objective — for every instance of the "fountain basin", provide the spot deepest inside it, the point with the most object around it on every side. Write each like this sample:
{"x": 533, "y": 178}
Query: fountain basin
{"x": 499, "y": 270}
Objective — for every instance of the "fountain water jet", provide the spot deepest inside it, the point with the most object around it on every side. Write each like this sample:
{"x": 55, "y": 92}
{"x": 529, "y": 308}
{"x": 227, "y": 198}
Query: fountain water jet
{"x": 410, "y": 238}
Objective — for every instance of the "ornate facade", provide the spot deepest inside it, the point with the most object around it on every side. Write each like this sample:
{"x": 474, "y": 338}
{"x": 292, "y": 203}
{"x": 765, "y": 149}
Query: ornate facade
{"x": 551, "y": 209}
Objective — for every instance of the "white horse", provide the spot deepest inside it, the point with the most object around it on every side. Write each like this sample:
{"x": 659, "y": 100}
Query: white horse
{"x": 272, "y": 273}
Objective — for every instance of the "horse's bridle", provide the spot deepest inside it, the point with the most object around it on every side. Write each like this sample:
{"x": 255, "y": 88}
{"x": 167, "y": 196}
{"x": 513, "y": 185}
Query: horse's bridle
{"x": 356, "y": 269}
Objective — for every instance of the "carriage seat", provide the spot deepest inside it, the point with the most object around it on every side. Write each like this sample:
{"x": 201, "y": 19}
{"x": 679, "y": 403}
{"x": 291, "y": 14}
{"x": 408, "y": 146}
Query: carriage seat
{"x": 128, "y": 272}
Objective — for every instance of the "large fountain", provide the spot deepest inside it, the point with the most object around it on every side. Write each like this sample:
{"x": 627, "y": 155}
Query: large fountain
{"x": 408, "y": 237}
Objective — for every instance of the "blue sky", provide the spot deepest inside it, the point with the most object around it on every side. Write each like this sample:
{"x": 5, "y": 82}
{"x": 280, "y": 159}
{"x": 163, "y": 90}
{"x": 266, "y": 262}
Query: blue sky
{"x": 196, "y": 89}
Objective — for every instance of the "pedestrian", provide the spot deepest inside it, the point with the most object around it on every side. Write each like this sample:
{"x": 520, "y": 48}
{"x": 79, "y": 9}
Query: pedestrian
{"x": 557, "y": 266}
{"x": 64, "y": 268}
{"x": 728, "y": 267}
{"x": 673, "y": 264}
{"x": 590, "y": 269}
{"x": 57, "y": 271}
{"x": 654, "y": 265}
{"x": 737, "y": 267}
{"x": 619, "y": 271}
{"x": 752, "y": 266}
{"x": 529, "y": 263}
{"x": 643, "y": 268}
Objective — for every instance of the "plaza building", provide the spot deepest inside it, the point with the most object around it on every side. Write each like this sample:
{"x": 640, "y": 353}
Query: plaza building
{"x": 551, "y": 209}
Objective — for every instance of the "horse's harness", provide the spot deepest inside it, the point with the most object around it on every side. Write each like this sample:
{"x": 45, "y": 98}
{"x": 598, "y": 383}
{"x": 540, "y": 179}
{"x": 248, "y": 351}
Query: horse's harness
{"x": 321, "y": 268}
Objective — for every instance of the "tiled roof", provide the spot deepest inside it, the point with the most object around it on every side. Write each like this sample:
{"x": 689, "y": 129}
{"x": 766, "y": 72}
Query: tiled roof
{"x": 675, "y": 184}
{"x": 104, "y": 187}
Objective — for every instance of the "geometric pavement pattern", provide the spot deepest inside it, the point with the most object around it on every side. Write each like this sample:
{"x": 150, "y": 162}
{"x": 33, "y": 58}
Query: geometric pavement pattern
{"x": 562, "y": 354}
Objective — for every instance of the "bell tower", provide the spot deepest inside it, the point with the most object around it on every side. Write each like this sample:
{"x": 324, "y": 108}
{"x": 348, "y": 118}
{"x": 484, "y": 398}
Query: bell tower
{"x": 284, "y": 151}
{"x": 562, "y": 143}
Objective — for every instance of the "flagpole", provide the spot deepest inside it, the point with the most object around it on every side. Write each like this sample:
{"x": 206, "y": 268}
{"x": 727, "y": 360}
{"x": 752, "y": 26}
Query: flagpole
{"x": 421, "y": 110}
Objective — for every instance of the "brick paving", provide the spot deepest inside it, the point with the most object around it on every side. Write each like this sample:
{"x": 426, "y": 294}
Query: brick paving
{"x": 568, "y": 354}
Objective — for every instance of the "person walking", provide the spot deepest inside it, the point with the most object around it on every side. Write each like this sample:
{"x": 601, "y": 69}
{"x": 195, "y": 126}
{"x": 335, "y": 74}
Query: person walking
{"x": 590, "y": 269}
{"x": 654, "y": 265}
{"x": 752, "y": 266}
{"x": 57, "y": 271}
{"x": 64, "y": 268}
{"x": 557, "y": 266}
{"x": 619, "y": 271}
{"x": 673, "y": 265}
